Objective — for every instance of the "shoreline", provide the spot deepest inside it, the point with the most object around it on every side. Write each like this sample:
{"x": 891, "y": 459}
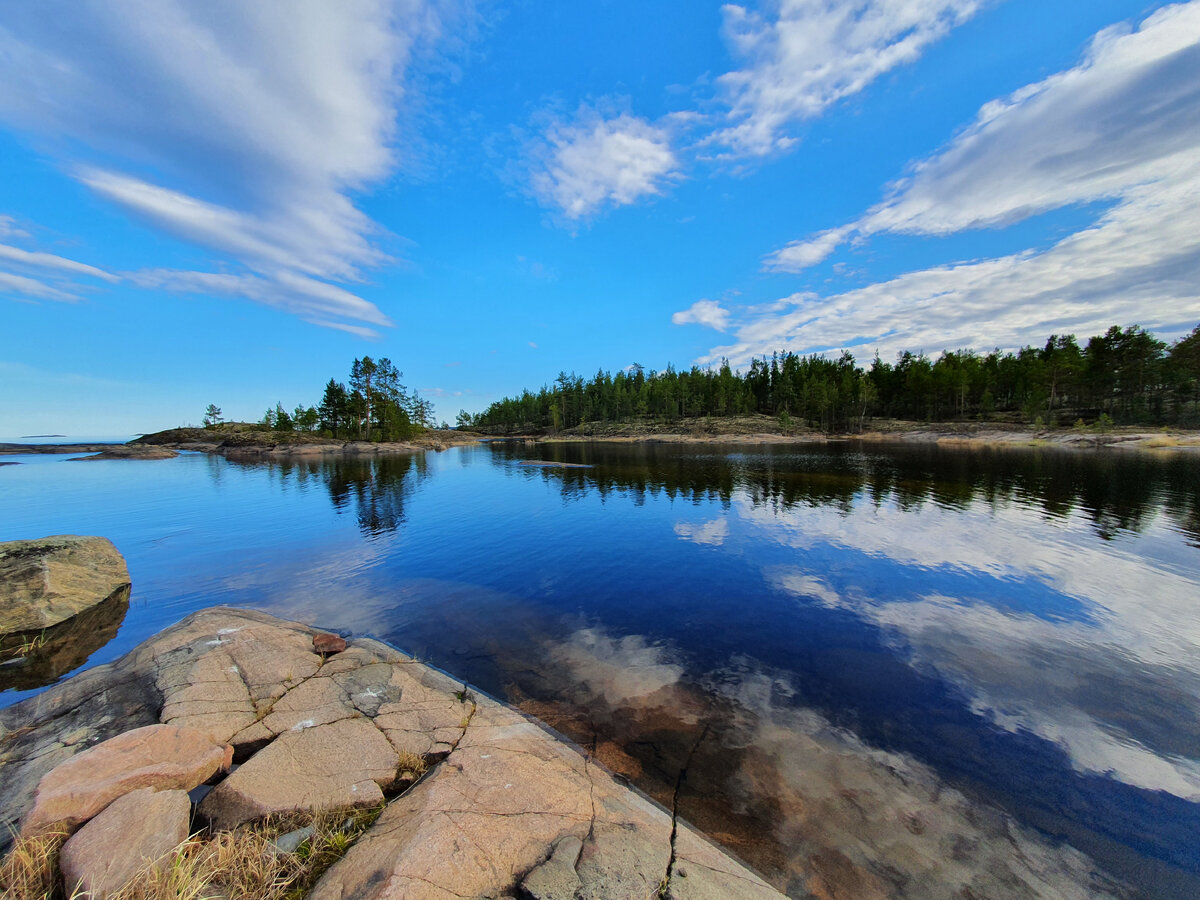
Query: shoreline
{"x": 431, "y": 756}
{"x": 700, "y": 432}
{"x": 974, "y": 436}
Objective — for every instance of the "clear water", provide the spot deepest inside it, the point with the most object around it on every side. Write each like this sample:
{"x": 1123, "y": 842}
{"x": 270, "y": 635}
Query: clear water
{"x": 863, "y": 662}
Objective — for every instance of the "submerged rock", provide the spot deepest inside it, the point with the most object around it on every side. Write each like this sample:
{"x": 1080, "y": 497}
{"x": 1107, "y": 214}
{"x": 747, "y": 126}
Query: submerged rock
{"x": 49, "y": 580}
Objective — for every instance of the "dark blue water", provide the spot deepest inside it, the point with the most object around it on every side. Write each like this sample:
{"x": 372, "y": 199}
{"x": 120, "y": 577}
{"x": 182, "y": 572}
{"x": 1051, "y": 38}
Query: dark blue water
{"x": 907, "y": 671}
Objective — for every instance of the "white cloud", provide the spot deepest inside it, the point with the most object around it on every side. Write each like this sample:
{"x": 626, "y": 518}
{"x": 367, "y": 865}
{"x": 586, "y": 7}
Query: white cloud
{"x": 23, "y": 286}
{"x": 812, "y": 53}
{"x": 800, "y": 255}
{"x": 314, "y": 301}
{"x": 1123, "y": 126}
{"x": 1126, "y": 116}
{"x": 10, "y": 229}
{"x": 703, "y": 312}
{"x": 242, "y": 128}
{"x": 591, "y": 162}
{"x": 50, "y": 261}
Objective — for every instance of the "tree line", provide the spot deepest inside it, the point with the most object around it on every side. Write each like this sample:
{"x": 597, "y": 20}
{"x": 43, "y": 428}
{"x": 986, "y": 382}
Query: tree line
{"x": 372, "y": 406}
{"x": 1125, "y": 375}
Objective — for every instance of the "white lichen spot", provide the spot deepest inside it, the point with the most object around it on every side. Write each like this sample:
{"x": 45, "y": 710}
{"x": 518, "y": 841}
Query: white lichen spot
{"x": 229, "y": 630}
{"x": 485, "y": 756}
{"x": 302, "y": 724}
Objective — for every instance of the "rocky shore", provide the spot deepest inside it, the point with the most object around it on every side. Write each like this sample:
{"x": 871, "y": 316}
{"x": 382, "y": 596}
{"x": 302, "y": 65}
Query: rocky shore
{"x": 765, "y": 430}
{"x": 243, "y": 441}
{"x": 232, "y": 717}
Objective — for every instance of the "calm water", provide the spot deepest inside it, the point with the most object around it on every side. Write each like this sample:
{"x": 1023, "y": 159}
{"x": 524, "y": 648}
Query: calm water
{"x": 879, "y": 671}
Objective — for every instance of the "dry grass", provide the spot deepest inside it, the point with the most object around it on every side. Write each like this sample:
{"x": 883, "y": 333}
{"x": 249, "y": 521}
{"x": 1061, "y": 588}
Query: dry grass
{"x": 30, "y": 870}
{"x": 411, "y": 767}
{"x": 242, "y": 864}
{"x": 1162, "y": 440}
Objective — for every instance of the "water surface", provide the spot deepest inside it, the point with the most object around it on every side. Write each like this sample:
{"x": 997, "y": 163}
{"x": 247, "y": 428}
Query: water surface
{"x": 905, "y": 671}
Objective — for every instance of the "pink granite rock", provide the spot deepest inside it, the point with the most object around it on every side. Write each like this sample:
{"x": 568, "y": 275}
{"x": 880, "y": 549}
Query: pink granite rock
{"x": 163, "y": 757}
{"x": 133, "y": 832}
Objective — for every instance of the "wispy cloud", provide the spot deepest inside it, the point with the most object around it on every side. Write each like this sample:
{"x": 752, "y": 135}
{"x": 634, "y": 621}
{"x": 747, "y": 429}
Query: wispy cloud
{"x": 33, "y": 260}
{"x": 1123, "y": 126}
{"x": 242, "y": 128}
{"x": 23, "y": 286}
{"x": 1126, "y": 116}
{"x": 805, "y": 55}
{"x": 10, "y": 229}
{"x": 588, "y": 162}
{"x": 315, "y": 301}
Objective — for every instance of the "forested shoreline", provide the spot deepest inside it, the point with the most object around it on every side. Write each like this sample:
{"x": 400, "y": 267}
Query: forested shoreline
{"x": 1125, "y": 376}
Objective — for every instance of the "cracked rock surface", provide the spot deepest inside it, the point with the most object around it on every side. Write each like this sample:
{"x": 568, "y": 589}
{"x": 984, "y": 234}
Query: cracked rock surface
{"x": 506, "y": 809}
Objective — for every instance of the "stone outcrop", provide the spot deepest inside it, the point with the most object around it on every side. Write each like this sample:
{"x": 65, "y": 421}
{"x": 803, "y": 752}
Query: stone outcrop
{"x": 49, "y": 580}
{"x": 162, "y": 757}
{"x": 128, "y": 451}
{"x": 133, "y": 832}
{"x": 506, "y": 807}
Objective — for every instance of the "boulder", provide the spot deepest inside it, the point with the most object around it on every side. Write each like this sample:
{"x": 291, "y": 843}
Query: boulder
{"x": 48, "y": 580}
{"x": 163, "y": 757}
{"x": 133, "y": 832}
{"x": 328, "y": 643}
{"x": 335, "y": 766}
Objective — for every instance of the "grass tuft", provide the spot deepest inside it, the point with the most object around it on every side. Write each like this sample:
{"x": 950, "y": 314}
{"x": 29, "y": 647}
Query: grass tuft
{"x": 30, "y": 870}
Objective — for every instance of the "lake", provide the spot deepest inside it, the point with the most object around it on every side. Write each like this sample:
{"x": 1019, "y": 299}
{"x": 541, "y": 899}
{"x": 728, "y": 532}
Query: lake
{"x": 868, "y": 670}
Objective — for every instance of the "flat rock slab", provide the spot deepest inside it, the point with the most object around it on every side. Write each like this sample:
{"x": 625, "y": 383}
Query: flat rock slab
{"x": 49, "y": 580}
{"x": 340, "y": 765}
{"x": 163, "y": 757}
{"x": 135, "y": 831}
{"x": 506, "y": 807}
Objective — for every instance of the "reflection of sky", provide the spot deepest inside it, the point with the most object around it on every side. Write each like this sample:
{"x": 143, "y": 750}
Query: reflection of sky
{"x": 1043, "y": 627}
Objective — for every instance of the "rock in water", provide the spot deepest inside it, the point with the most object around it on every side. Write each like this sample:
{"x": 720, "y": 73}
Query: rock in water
{"x": 49, "y": 580}
{"x": 164, "y": 757}
{"x": 136, "y": 830}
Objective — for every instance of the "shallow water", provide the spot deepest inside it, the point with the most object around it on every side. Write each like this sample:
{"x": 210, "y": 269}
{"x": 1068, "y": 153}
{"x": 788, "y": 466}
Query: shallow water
{"x": 871, "y": 671}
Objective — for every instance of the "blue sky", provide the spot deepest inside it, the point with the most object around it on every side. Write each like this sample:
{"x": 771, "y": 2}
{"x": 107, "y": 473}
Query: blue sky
{"x": 227, "y": 202}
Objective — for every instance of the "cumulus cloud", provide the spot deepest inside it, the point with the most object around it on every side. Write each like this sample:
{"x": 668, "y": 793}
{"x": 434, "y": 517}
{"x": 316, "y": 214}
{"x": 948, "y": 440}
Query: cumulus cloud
{"x": 1122, "y": 127}
{"x": 703, "y": 312}
{"x": 808, "y": 54}
{"x": 242, "y": 128}
{"x": 591, "y": 162}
